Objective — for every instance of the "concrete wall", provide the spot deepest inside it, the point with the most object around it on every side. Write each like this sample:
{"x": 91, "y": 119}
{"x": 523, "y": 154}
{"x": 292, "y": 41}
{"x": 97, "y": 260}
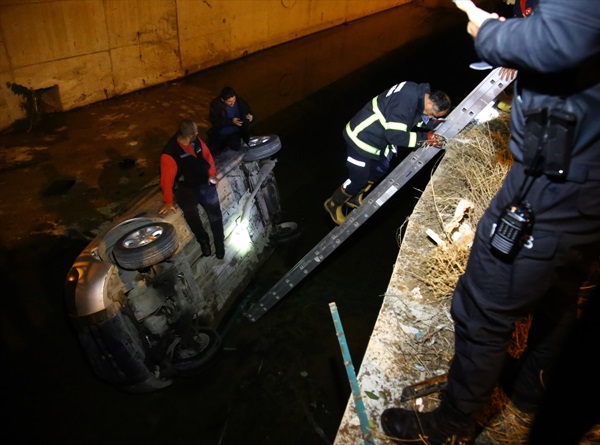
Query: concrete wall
{"x": 56, "y": 55}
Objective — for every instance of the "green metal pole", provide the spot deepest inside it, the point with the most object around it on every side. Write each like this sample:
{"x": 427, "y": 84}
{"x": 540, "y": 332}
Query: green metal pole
{"x": 358, "y": 402}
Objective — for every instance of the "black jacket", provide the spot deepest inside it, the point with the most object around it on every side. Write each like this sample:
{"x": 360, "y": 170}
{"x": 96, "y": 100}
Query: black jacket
{"x": 560, "y": 73}
{"x": 192, "y": 171}
{"x": 218, "y": 114}
{"x": 389, "y": 120}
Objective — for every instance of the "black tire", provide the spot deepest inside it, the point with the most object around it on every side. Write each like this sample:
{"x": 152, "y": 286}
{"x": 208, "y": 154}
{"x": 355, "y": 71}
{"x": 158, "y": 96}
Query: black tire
{"x": 145, "y": 246}
{"x": 210, "y": 347}
{"x": 262, "y": 147}
{"x": 285, "y": 233}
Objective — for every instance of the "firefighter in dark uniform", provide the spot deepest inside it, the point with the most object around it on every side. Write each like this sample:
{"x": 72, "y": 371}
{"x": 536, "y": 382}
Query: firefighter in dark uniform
{"x": 536, "y": 241}
{"x": 188, "y": 174}
{"x": 398, "y": 117}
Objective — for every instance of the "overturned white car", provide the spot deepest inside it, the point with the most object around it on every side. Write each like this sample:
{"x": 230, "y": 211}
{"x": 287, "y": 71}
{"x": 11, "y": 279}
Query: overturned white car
{"x": 144, "y": 301}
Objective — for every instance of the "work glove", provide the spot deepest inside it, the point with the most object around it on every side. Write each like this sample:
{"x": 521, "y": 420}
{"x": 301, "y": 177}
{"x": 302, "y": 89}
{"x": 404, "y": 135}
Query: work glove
{"x": 435, "y": 140}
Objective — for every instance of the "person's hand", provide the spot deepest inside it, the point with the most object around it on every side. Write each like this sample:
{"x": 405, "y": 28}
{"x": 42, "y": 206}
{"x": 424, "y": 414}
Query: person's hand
{"x": 237, "y": 121}
{"x": 507, "y": 74}
{"x": 476, "y": 15}
{"x": 435, "y": 140}
{"x": 249, "y": 117}
{"x": 165, "y": 209}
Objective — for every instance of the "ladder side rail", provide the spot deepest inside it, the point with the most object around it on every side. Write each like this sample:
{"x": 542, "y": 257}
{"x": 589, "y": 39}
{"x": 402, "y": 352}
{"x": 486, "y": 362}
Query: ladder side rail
{"x": 468, "y": 109}
{"x": 376, "y": 198}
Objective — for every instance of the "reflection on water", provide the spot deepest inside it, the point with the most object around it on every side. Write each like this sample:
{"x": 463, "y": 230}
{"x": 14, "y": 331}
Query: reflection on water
{"x": 287, "y": 74}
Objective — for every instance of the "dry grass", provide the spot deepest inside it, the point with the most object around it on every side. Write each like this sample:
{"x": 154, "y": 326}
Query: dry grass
{"x": 474, "y": 173}
{"x": 507, "y": 425}
{"x": 478, "y": 167}
{"x": 474, "y": 169}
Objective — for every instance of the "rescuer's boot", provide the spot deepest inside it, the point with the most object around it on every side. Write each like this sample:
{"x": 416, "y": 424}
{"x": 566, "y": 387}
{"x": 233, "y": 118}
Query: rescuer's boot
{"x": 357, "y": 200}
{"x": 334, "y": 205}
{"x": 442, "y": 426}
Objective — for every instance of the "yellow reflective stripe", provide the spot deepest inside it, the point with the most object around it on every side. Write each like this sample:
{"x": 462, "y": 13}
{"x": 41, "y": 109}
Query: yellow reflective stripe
{"x": 390, "y": 149}
{"x": 385, "y": 124}
{"x": 412, "y": 140}
{"x": 396, "y": 126}
{"x": 364, "y": 124}
{"x": 377, "y": 116}
{"x": 378, "y": 113}
{"x": 360, "y": 144}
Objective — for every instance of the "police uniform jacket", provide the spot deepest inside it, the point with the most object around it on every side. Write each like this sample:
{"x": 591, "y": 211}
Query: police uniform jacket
{"x": 563, "y": 75}
{"x": 556, "y": 51}
{"x": 388, "y": 121}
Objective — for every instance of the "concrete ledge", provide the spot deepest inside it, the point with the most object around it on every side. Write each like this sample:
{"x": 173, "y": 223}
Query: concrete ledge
{"x": 411, "y": 319}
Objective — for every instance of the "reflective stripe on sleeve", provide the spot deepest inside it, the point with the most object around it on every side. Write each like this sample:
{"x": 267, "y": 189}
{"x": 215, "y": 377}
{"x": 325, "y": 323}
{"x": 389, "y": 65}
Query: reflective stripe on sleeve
{"x": 412, "y": 141}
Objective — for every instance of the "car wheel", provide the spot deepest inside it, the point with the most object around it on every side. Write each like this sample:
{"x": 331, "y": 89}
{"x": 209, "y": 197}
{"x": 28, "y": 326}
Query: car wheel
{"x": 285, "y": 233}
{"x": 262, "y": 147}
{"x": 146, "y": 246}
{"x": 188, "y": 359}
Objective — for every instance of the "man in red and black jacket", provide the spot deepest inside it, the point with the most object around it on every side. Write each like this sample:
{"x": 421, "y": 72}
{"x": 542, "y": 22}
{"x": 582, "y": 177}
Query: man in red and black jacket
{"x": 189, "y": 176}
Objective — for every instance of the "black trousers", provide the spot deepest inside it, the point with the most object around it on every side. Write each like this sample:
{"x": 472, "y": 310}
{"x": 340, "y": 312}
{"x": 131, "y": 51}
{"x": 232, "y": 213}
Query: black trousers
{"x": 206, "y": 195}
{"x": 573, "y": 385}
{"x": 362, "y": 170}
{"x": 542, "y": 280}
{"x": 217, "y": 143}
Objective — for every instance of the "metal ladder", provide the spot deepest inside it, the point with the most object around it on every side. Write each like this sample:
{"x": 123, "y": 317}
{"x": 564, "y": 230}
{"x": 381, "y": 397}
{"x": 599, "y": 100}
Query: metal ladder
{"x": 457, "y": 120}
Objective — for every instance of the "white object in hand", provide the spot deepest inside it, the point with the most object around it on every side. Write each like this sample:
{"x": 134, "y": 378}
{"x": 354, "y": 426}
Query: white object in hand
{"x": 476, "y": 15}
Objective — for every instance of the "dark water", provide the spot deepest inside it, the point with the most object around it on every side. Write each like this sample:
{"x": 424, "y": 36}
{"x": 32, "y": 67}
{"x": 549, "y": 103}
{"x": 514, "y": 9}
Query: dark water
{"x": 280, "y": 380}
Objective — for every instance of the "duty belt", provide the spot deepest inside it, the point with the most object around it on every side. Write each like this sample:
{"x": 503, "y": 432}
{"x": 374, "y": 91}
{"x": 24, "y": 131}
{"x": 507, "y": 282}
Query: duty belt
{"x": 581, "y": 173}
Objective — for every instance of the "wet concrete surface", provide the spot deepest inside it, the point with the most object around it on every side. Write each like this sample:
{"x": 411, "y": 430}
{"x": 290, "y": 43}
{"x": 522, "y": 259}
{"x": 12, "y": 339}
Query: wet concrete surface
{"x": 280, "y": 380}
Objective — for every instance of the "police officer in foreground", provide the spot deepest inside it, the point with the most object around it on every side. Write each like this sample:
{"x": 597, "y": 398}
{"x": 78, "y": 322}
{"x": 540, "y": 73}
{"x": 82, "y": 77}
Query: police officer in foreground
{"x": 402, "y": 116}
{"x": 536, "y": 241}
